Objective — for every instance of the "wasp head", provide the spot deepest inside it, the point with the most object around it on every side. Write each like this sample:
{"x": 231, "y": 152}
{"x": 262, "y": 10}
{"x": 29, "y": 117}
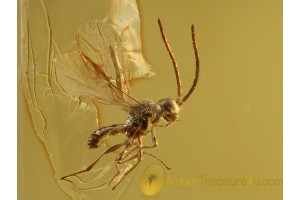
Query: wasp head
{"x": 169, "y": 109}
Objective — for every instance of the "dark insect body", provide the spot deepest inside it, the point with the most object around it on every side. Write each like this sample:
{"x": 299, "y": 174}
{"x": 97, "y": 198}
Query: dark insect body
{"x": 143, "y": 117}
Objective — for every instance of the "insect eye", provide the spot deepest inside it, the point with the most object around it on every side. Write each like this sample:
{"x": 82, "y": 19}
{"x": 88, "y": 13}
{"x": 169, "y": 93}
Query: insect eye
{"x": 170, "y": 117}
{"x": 148, "y": 112}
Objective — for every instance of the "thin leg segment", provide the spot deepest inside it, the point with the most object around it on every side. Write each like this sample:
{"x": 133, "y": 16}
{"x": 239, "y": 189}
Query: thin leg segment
{"x": 111, "y": 149}
{"x": 155, "y": 144}
{"x": 139, "y": 158}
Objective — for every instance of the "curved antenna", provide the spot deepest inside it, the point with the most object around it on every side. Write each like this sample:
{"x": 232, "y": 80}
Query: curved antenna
{"x": 179, "y": 90}
{"x": 197, "y": 67}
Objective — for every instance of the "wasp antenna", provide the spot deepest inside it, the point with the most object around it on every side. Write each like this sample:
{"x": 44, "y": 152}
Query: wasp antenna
{"x": 179, "y": 90}
{"x": 197, "y": 66}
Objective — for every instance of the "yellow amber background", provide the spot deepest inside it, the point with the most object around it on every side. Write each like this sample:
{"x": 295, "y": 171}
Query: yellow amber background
{"x": 230, "y": 128}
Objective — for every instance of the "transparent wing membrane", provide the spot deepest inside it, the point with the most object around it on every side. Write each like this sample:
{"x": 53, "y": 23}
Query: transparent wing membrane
{"x": 94, "y": 69}
{"x": 62, "y": 88}
{"x": 101, "y": 43}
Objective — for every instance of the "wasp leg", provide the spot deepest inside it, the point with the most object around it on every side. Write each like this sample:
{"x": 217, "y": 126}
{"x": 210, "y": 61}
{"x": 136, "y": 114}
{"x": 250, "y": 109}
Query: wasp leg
{"x": 139, "y": 158}
{"x": 124, "y": 152}
{"x": 111, "y": 149}
{"x": 126, "y": 155}
{"x": 166, "y": 125}
{"x": 168, "y": 168}
{"x": 154, "y": 140}
{"x": 155, "y": 144}
{"x": 121, "y": 160}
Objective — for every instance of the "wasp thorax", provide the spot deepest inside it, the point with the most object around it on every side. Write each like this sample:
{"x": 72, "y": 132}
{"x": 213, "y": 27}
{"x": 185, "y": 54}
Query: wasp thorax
{"x": 169, "y": 109}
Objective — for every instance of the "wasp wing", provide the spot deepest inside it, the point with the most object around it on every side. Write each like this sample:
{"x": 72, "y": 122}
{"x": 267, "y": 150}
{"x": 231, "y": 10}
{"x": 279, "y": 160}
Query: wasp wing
{"x": 97, "y": 70}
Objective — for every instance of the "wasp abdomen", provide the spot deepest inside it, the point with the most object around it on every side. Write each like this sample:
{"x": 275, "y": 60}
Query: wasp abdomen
{"x": 97, "y": 137}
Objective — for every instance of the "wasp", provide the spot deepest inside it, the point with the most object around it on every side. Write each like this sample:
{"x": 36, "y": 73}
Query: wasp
{"x": 143, "y": 116}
